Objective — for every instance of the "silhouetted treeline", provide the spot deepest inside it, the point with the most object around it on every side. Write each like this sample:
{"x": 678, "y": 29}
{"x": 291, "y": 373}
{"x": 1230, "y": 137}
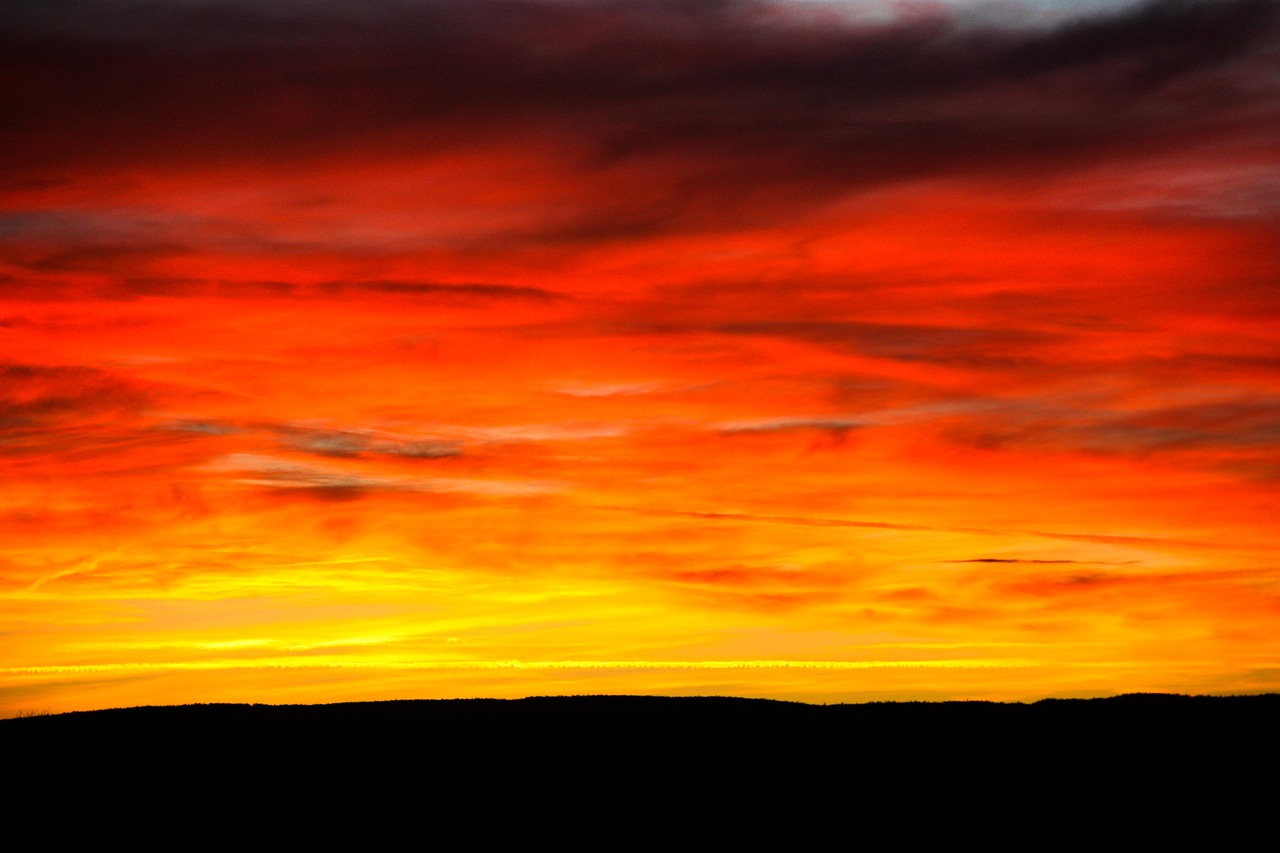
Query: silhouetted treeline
{"x": 595, "y": 770}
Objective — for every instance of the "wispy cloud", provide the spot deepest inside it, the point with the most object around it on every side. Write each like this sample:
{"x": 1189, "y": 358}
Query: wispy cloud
{"x": 277, "y": 473}
{"x": 607, "y": 389}
{"x": 332, "y": 442}
{"x": 58, "y": 409}
{"x": 822, "y": 424}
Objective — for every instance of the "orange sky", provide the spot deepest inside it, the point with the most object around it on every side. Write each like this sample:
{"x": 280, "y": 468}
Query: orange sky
{"x": 434, "y": 349}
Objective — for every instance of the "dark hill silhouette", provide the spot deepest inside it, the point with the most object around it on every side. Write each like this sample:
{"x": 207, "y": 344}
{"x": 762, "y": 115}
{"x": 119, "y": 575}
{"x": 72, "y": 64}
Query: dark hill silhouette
{"x": 348, "y": 776}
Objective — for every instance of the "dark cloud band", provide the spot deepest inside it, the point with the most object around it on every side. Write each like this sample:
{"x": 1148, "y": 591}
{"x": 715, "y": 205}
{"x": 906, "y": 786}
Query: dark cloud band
{"x": 736, "y": 109}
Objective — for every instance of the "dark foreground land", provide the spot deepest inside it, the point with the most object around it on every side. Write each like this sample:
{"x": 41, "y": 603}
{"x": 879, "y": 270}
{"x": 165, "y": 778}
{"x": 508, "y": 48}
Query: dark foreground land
{"x": 600, "y": 770}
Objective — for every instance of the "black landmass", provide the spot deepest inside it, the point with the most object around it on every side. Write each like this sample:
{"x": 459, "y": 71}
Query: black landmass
{"x": 610, "y": 771}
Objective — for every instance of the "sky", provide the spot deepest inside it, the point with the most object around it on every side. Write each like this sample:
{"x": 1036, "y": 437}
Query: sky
{"x": 817, "y": 351}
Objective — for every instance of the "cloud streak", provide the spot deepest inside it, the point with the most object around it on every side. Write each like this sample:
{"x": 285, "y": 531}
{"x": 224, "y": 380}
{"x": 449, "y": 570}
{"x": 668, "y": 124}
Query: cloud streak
{"x": 276, "y": 473}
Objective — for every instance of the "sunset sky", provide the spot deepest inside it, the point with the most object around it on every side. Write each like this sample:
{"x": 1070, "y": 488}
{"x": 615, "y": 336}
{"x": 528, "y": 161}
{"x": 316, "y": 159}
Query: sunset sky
{"x": 830, "y": 351}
